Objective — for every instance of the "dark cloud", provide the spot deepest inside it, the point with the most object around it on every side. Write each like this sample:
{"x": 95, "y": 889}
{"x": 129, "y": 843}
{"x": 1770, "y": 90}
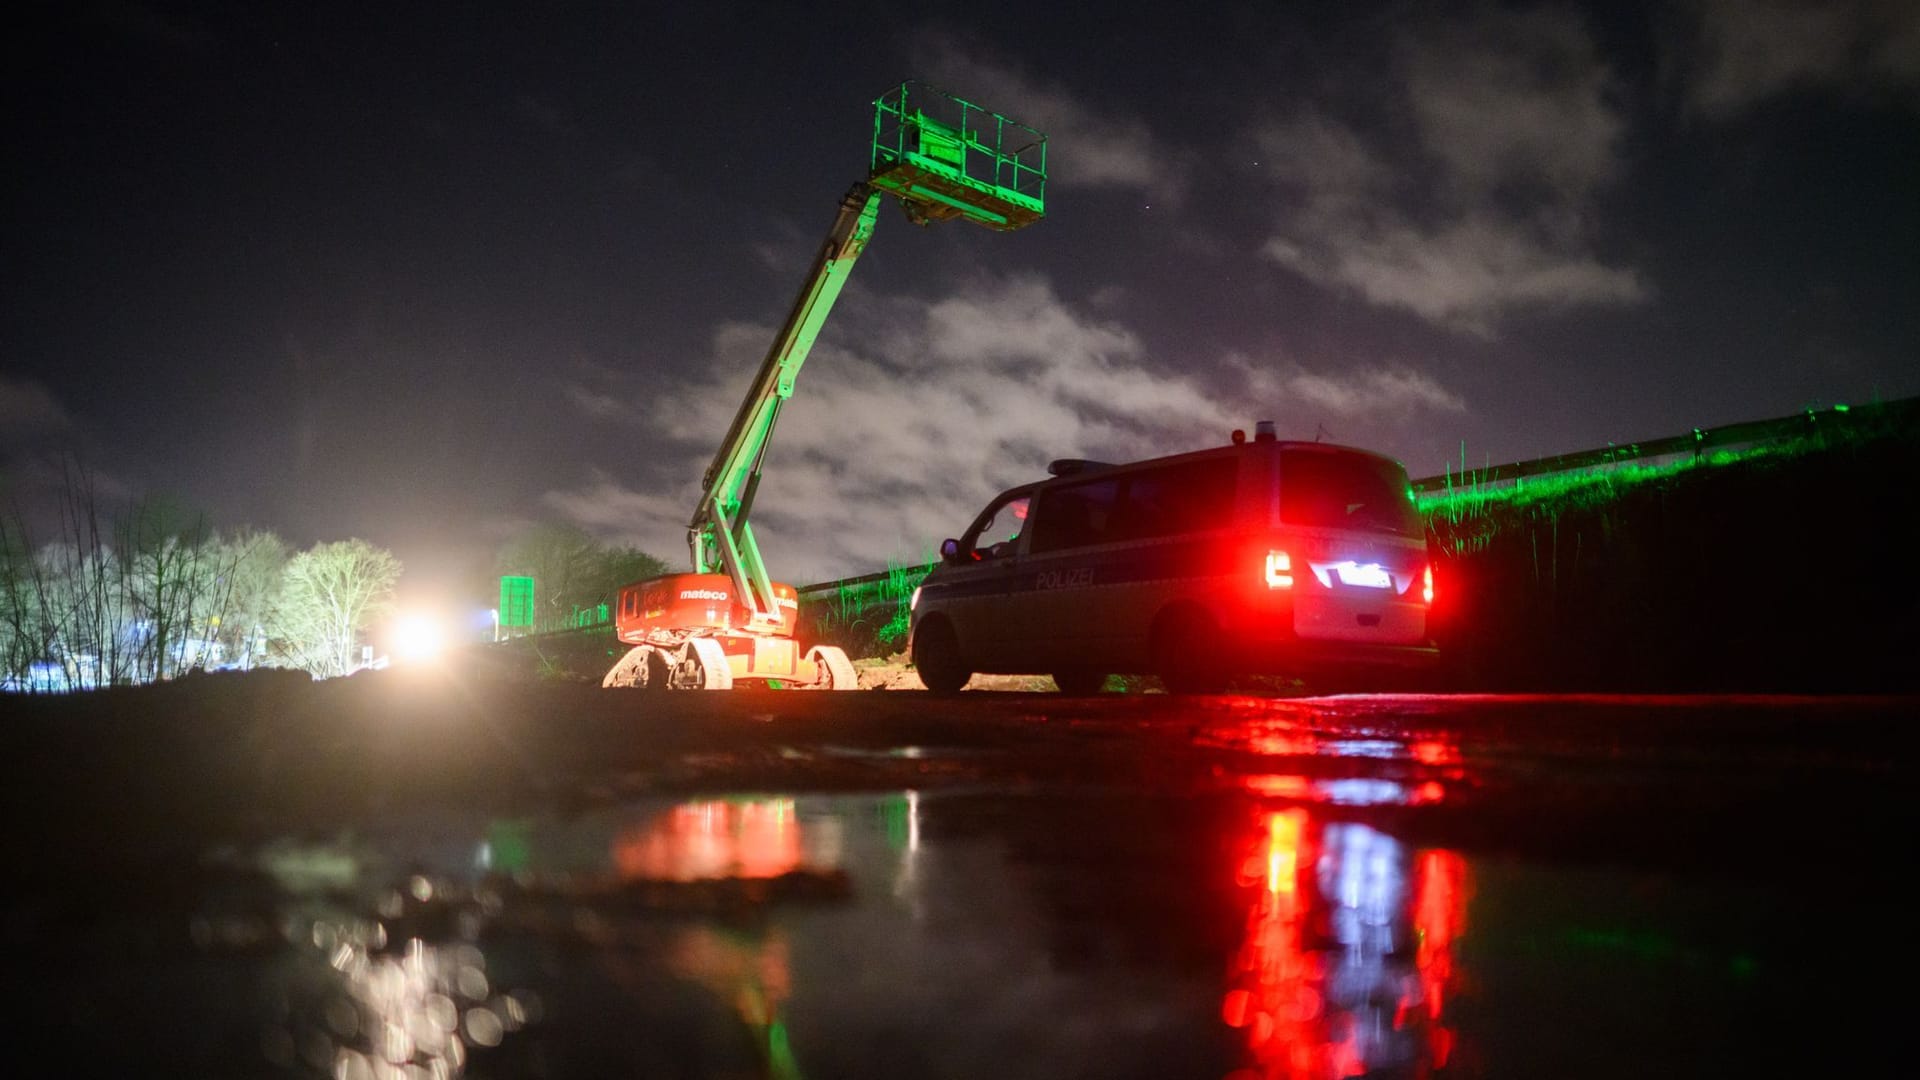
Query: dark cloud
{"x": 29, "y": 411}
{"x": 1490, "y": 209}
{"x": 1088, "y": 146}
{"x": 1749, "y": 51}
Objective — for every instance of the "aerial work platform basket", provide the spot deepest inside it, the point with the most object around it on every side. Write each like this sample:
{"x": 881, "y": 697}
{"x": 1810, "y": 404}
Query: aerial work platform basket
{"x": 945, "y": 157}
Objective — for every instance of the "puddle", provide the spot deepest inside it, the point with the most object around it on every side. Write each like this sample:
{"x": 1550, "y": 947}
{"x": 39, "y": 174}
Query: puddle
{"x": 908, "y": 934}
{"x": 1274, "y": 898}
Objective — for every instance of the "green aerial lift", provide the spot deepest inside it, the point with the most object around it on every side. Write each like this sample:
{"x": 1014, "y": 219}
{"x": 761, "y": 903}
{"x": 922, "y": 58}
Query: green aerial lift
{"x": 942, "y": 157}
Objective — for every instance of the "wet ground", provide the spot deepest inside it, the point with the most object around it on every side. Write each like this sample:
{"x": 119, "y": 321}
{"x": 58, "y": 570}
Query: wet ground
{"x": 400, "y": 877}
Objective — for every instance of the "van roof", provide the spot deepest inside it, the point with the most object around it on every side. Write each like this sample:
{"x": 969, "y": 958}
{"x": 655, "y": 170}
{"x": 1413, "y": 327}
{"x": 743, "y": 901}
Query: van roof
{"x": 1061, "y": 468}
{"x": 1323, "y": 447}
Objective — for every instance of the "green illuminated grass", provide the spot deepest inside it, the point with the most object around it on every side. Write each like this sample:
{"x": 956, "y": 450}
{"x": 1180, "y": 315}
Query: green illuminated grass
{"x": 1467, "y": 515}
{"x": 869, "y": 618}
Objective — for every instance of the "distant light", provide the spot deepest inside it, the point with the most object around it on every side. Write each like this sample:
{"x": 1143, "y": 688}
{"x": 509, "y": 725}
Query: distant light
{"x": 417, "y": 638}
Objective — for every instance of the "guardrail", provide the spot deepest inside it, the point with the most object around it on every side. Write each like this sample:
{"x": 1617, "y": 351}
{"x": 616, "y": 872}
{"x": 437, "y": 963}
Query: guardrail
{"x": 1697, "y": 442}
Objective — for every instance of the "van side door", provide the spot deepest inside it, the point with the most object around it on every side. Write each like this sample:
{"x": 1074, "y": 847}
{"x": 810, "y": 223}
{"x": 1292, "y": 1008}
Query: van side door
{"x": 978, "y": 594}
{"x": 1062, "y": 574}
{"x": 1135, "y": 541}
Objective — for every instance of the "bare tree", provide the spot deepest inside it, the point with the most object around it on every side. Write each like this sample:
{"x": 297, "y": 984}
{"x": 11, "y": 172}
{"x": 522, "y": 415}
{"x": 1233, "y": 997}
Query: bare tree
{"x": 624, "y": 566}
{"x": 560, "y": 559}
{"x": 172, "y": 570}
{"x": 248, "y": 602}
{"x": 82, "y": 590}
{"x": 24, "y": 635}
{"x": 332, "y": 592}
{"x": 65, "y": 601}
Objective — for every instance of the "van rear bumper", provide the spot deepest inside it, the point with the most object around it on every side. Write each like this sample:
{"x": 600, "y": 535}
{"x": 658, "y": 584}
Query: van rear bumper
{"x": 1302, "y": 656}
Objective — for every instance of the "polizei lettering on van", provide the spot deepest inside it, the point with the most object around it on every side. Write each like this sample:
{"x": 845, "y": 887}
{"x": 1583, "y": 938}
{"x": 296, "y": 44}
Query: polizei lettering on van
{"x": 1064, "y": 579}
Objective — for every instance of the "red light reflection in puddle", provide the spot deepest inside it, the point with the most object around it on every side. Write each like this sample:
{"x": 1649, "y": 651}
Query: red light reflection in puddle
{"x": 749, "y": 968}
{"x": 1322, "y": 985}
{"x": 705, "y": 841}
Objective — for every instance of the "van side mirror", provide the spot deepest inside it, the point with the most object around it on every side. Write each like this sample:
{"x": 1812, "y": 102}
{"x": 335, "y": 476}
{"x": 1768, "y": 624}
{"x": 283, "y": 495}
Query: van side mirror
{"x": 950, "y": 550}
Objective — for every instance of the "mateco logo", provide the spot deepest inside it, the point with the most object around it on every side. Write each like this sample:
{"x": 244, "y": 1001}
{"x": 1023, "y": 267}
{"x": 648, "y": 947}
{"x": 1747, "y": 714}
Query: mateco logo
{"x": 788, "y": 602}
{"x": 703, "y": 594}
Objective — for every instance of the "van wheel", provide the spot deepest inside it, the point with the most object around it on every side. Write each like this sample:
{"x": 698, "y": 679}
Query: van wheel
{"x": 1187, "y": 657}
{"x": 1079, "y": 683}
{"x": 936, "y": 655}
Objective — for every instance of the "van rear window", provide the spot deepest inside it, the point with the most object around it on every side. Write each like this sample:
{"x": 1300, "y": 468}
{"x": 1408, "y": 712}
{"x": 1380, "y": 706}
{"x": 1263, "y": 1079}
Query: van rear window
{"x": 1346, "y": 491}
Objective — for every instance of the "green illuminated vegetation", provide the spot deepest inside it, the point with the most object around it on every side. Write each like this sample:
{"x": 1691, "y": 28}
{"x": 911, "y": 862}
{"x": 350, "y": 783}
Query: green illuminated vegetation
{"x": 866, "y": 616}
{"x": 1708, "y": 571}
{"x": 1468, "y": 515}
{"x": 1466, "y": 510}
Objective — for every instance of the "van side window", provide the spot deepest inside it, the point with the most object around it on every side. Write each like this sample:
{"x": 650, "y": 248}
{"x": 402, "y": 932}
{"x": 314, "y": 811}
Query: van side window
{"x": 1144, "y": 505}
{"x": 1074, "y": 515}
{"x": 1189, "y": 497}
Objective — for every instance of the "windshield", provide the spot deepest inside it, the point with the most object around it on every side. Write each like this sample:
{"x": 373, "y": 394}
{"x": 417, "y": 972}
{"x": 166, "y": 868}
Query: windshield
{"x": 1340, "y": 490}
{"x": 1001, "y": 527}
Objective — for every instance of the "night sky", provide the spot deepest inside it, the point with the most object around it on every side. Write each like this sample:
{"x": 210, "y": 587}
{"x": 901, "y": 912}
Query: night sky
{"x": 424, "y": 275}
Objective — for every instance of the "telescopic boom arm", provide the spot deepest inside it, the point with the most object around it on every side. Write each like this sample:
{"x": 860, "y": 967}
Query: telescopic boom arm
{"x": 719, "y": 536}
{"x": 943, "y": 157}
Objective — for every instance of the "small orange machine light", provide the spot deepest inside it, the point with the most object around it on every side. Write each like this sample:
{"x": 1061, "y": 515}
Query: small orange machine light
{"x": 1279, "y": 570}
{"x": 1426, "y": 587}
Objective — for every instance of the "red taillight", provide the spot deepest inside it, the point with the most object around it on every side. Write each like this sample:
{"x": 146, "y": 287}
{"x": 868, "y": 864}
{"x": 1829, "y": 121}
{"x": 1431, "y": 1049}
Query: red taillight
{"x": 1279, "y": 570}
{"x": 1426, "y": 587}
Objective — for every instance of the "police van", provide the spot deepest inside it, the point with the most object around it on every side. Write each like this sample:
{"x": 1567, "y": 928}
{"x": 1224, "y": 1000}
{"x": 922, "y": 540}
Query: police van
{"x": 1261, "y": 557}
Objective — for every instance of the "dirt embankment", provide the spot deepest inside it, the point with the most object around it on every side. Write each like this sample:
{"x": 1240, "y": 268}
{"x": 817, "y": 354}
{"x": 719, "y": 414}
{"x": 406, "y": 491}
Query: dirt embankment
{"x": 1780, "y": 573}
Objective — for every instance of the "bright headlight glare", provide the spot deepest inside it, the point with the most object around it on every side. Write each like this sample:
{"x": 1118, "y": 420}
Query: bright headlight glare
{"x": 417, "y": 637}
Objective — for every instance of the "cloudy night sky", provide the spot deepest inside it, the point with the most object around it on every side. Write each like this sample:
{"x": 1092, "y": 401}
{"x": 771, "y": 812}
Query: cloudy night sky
{"x": 425, "y": 275}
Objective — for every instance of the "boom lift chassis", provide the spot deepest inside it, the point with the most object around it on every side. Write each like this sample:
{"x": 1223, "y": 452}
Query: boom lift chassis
{"x": 728, "y": 621}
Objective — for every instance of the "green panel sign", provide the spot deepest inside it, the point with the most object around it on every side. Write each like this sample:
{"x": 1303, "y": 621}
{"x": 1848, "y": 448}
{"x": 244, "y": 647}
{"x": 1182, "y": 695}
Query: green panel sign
{"x": 516, "y": 602}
